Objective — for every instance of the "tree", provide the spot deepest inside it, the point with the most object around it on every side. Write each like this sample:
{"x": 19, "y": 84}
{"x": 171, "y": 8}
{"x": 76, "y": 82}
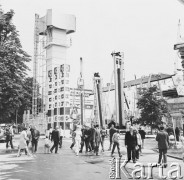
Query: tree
{"x": 13, "y": 68}
{"x": 152, "y": 107}
{"x": 26, "y": 102}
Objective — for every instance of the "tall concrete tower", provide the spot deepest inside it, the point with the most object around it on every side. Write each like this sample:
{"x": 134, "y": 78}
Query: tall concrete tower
{"x": 55, "y": 27}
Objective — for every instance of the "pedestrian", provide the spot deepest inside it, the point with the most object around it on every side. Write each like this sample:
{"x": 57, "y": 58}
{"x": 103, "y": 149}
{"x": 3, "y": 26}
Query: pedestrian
{"x": 163, "y": 144}
{"x": 112, "y": 122}
{"x": 91, "y": 133}
{"x": 78, "y": 136}
{"x": 61, "y": 137}
{"x": 177, "y": 132}
{"x": 96, "y": 139}
{"x": 22, "y": 143}
{"x": 50, "y": 132}
{"x": 73, "y": 139}
{"x": 35, "y": 134}
{"x": 130, "y": 144}
{"x": 115, "y": 140}
{"x": 139, "y": 144}
{"x": 47, "y": 145}
{"x": 9, "y": 137}
{"x": 87, "y": 134}
{"x": 28, "y": 136}
{"x": 171, "y": 140}
{"x": 111, "y": 132}
{"x": 103, "y": 134}
{"x": 143, "y": 136}
{"x": 55, "y": 137}
{"x": 82, "y": 138}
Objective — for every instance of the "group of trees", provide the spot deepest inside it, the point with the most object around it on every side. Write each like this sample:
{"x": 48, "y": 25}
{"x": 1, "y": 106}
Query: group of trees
{"x": 15, "y": 86}
{"x": 152, "y": 107}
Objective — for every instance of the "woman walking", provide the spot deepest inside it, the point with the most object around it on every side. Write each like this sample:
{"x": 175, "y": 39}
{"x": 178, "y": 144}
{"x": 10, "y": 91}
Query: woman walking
{"x": 78, "y": 136}
{"x": 139, "y": 144}
{"x": 22, "y": 143}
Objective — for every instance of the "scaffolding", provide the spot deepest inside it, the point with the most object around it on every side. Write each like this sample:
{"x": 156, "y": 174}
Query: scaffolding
{"x": 39, "y": 78}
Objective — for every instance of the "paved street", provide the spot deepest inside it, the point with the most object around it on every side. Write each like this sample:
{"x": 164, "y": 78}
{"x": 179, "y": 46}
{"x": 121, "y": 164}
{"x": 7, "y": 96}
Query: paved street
{"x": 66, "y": 165}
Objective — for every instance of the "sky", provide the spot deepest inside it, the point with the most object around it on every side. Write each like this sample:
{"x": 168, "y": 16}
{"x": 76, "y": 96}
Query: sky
{"x": 145, "y": 30}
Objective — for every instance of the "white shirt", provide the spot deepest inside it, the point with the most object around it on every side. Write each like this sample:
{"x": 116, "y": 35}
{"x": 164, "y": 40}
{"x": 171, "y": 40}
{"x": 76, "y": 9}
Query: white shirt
{"x": 50, "y": 130}
{"x": 61, "y": 132}
{"x": 47, "y": 141}
{"x": 78, "y": 134}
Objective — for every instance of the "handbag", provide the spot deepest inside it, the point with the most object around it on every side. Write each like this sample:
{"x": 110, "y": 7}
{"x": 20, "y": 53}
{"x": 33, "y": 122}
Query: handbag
{"x": 136, "y": 148}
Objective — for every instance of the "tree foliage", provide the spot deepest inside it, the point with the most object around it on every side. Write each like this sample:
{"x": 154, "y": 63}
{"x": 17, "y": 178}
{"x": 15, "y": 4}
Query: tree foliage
{"x": 13, "y": 69}
{"x": 152, "y": 107}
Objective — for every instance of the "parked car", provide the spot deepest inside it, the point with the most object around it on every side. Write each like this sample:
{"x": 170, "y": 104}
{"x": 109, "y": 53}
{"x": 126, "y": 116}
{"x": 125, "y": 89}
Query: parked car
{"x": 2, "y": 136}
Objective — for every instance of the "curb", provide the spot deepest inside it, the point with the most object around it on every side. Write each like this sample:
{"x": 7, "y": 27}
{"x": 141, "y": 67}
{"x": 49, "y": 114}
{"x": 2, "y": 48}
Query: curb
{"x": 169, "y": 155}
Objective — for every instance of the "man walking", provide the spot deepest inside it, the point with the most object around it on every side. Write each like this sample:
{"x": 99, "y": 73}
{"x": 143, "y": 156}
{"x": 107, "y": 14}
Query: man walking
{"x": 96, "y": 139}
{"x": 9, "y": 137}
{"x": 163, "y": 144}
{"x": 111, "y": 132}
{"x": 91, "y": 137}
{"x": 61, "y": 137}
{"x": 35, "y": 134}
{"x": 143, "y": 135}
{"x": 115, "y": 140}
{"x": 130, "y": 144}
{"x": 55, "y": 137}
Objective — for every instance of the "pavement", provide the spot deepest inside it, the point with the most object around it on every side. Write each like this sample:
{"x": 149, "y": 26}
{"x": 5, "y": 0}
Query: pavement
{"x": 67, "y": 166}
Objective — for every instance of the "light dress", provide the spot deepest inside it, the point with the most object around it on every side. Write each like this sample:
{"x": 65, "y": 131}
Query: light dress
{"x": 22, "y": 141}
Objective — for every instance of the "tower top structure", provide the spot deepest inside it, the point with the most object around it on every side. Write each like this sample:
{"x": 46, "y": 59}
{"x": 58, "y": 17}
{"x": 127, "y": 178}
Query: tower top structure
{"x": 57, "y": 20}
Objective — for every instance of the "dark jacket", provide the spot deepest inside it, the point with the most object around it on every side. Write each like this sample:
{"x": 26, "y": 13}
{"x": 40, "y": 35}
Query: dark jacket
{"x": 97, "y": 136}
{"x": 92, "y": 132}
{"x": 35, "y": 134}
{"x": 110, "y": 124}
{"x": 130, "y": 140}
{"x": 111, "y": 132}
{"x": 55, "y": 135}
{"x": 142, "y": 133}
{"x": 163, "y": 140}
{"x": 86, "y": 134}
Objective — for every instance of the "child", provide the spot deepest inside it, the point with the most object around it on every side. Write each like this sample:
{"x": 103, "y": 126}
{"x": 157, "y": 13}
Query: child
{"x": 115, "y": 140}
{"x": 46, "y": 145}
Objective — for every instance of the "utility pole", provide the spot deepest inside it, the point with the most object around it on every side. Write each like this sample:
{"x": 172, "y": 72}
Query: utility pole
{"x": 81, "y": 87}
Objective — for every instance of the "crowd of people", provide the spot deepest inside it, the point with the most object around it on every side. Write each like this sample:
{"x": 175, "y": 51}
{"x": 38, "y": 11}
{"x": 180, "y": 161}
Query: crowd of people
{"x": 91, "y": 138}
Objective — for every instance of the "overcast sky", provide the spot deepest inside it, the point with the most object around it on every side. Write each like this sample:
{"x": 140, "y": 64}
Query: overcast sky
{"x": 145, "y": 30}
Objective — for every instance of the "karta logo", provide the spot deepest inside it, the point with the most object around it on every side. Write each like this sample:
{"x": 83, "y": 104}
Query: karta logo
{"x": 118, "y": 170}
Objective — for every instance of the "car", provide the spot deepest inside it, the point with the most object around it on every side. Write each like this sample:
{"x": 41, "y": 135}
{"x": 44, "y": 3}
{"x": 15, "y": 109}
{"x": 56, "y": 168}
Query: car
{"x": 2, "y": 136}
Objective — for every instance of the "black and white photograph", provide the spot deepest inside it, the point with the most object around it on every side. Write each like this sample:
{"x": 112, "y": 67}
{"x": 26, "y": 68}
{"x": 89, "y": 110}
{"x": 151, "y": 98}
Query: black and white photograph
{"x": 91, "y": 89}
